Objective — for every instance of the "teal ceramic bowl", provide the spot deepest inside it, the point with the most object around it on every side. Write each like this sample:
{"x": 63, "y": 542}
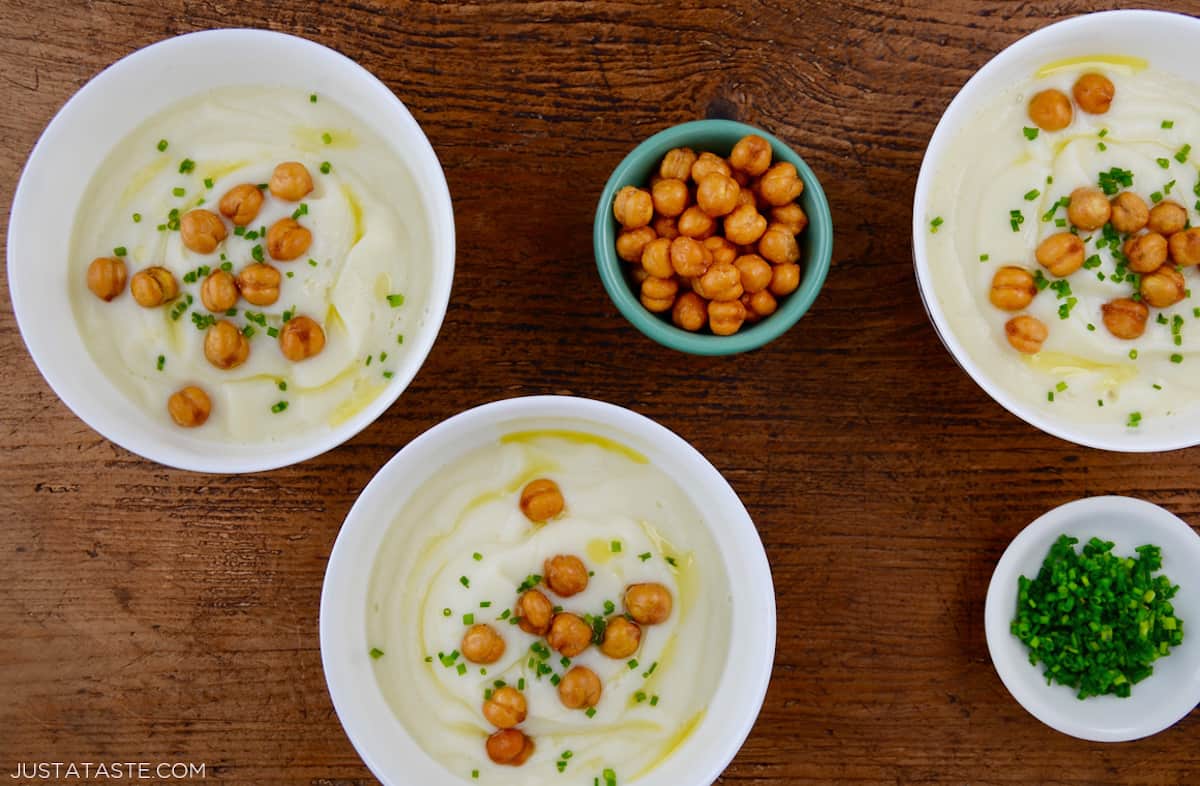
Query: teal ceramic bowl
{"x": 716, "y": 136}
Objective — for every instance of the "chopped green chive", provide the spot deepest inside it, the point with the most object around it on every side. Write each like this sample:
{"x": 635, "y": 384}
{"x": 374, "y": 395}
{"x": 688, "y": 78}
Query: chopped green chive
{"x": 984, "y": 257}
{"x": 1176, "y": 358}
{"x": 615, "y": 547}
{"x": 1032, "y": 194}
{"x": 119, "y": 251}
{"x": 376, "y": 653}
{"x": 313, "y": 98}
{"x": 208, "y": 182}
{"x": 633, "y": 664}
{"x": 312, "y": 263}
{"x": 654, "y": 701}
{"x": 484, "y": 604}
{"x": 1135, "y": 419}
{"x": 1103, "y": 133}
{"x": 178, "y": 191}
{"x": 1156, "y": 197}
{"x": 257, "y": 253}
{"x": 1114, "y": 179}
{"x": 461, "y": 669}
{"x": 591, "y": 712}
{"x": 388, "y": 375}
{"x": 162, "y": 361}
{"x": 935, "y": 223}
{"x": 282, "y": 385}
{"x": 1184, "y": 152}
{"x": 468, "y": 619}
{"x": 400, "y": 339}
{"x": 1030, "y": 133}
{"x": 477, "y": 556}
{"x": 300, "y": 211}
{"x": 671, "y": 562}
{"x": 395, "y": 301}
{"x": 137, "y": 218}
{"x": 1101, "y": 146}
{"x": 1015, "y": 219}
{"x": 1165, "y": 163}
{"x": 1168, "y": 124}
{"x": 162, "y": 145}
{"x": 326, "y": 167}
{"x": 278, "y": 406}
{"x": 1133, "y": 355}
{"x": 645, "y": 555}
{"x": 1060, "y": 387}
{"x": 446, "y": 612}
{"x": 463, "y": 580}
{"x": 327, "y": 138}
{"x": 186, "y": 165}
{"x": 475, "y": 774}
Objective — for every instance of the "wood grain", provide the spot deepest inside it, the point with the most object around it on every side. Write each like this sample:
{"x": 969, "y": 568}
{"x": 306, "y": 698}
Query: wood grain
{"x": 149, "y": 614}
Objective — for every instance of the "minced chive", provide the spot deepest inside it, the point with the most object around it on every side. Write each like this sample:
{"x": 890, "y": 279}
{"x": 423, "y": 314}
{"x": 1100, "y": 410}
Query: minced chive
{"x": 645, "y": 555}
{"x": 388, "y": 375}
{"x": 1135, "y": 419}
{"x": 178, "y": 191}
{"x": 1032, "y": 194}
{"x": 505, "y": 614}
{"x": 468, "y": 619}
{"x": 935, "y": 223}
{"x": 1101, "y": 146}
{"x": 300, "y": 211}
{"x": 290, "y": 274}
{"x": 1156, "y": 386}
{"x": 984, "y": 257}
{"x": 137, "y": 218}
{"x": 382, "y": 356}
{"x": 615, "y": 547}
{"x": 162, "y": 361}
{"x": 282, "y": 385}
{"x": 633, "y": 664}
{"x": 326, "y": 167}
{"x": 312, "y": 263}
{"x": 162, "y": 145}
{"x": 327, "y": 138}
{"x": 257, "y": 253}
{"x": 1103, "y": 133}
{"x": 1050, "y": 395}
{"x": 1183, "y": 153}
{"x": 555, "y": 679}
{"x": 119, "y": 251}
{"x": 1165, "y": 163}
{"x": 653, "y": 666}
{"x": 609, "y": 607}
{"x": 1168, "y": 124}
{"x": 461, "y": 669}
{"x": 248, "y": 331}
{"x": 376, "y": 653}
{"x": 186, "y": 165}
{"x": 476, "y": 556}
{"x": 483, "y": 604}
{"x": 369, "y": 359}
{"x": 273, "y": 332}
{"x": 640, "y": 696}
{"x": 654, "y": 701}
{"x": 227, "y": 266}
{"x": 279, "y": 406}
{"x": 1091, "y": 327}
{"x": 1156, "y": 197}
{"x": 395, "y": 301}
{"x": 1133, "y": 355}
{"x": 463, "y": 580}
{"x": 261, "y": 186}
{"x": 1031, "y": 133}
{"x": 313, "y": 98}
{"x": 591, "y": 712}
{"x": 446, "y": 612}
{"x": 400, "y": 339}
{"x": 1176, "y": 358}
{"x": 1015, "y": 219}
{"x": 671, "y": 562}
{"x": 1060, "y": 387}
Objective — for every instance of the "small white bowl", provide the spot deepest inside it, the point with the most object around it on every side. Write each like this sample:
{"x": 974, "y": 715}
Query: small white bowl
{"x": 109, "y": 108}
{"x": 1157, "y": 702}
{"x": 376, "y": 732}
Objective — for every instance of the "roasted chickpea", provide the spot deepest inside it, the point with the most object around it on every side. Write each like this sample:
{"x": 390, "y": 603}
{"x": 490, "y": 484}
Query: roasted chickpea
{"x": 189, "y": 407}
{"x": 1185, "y": 247}
{"x": 745, "y": 225}
{"x": 791, "y": 216}
{"x": 621, "y": 638}
{"x": 695, "y": 223}
{"x": 1013, "y": 289}
{"x": 763, "y": 303}
{"x": 510, "y": 747}
{"x": 784, "y": 280}
{"x": 241, "y": 204}
{"x": 734, "y": 292}
{"x": 565, "y": 575}
{"x": 1094, "y": 93}
{"x": 1164, "y": 287}
{"x": 482, "y": 644}
{"x": 665, "y": 226}
{"x": 534, "y": 612}
{"x": 656, "y": 258}
{"x": 225, "y": 346}
{"x": 579, "y": 688}
{"x": 688, "y": 257}
{"x": 639, "y": 274}
{"x": 746, "y": 196}
{"x": 708, "y": 163}
{"x": 721, "y": 249}
{"x": 1146, "y": 253}
{"x": 650, "y": 603}
{"x": 1125, "y": 318}
{"x": 725, "y": 317}
{"x": 780, "y": 184}
{"x": 739, "y": 177}
{"x": 1050, "y": 110}
{"x": 632, "y": 242}
{"x": 291, "y": 181}
{"x": 106, "y": 277}
{"x": 219, "y": 291}
{"x": 778, "y": 246}
{"x": 153, "y": 286}
{"x": 259, "y": 284}
{"x": 670, "y": 196}
{"x": 201, "y": 231}
{"x": 755, "y": 273}
{"x": 716, "y": 194}
{"x": 1026, "y": 334}
{"x": 1167, "y": 218}
{"x": 541, "y": 500}
{"x": 677, "y": 163}
{"x": 1129, "y": 213}
{"x": 569, "y": 635}
{"x": 633, "y": 207}
{"x": 720, "y": 277}
{"x": 658, "y": 294}
{"x": 301, "y": 338}
{"x": 1089, "y": 208}
{"x": 506, "y": 708}
{"x": 287, "y": 239}
{"x": 751, "y": 154}
{"x": 1061, "y": 254}
{"x": 690, "y": 312}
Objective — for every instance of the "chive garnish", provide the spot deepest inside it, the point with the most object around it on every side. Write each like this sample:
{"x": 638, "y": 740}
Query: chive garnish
{"x": 615, "y": 547}
{"x": 278, "y": 406}
{"x": 162, "y": 145}
{"x": 162, "y": 361}
{"x": 313, "y": 98}
{"x": 1168, "y": 124}
{"x": 463, "y": 580}
{"x": 1031, "y": 133}
{"x": 119, "y": 251}
{"x": 186, "y": 165}
{"x": 468, "y": 619}
{"x": 376, "y": 653}
{"x": 257, "y": 253}
{"x": 137, "y": 218}
{"x": 327, "y": 138}
{"x": 326, "y": 167}
{"x": 395, "y": 301}
{"x": 935, "y": 223}
{"x": 1165, "y": 163}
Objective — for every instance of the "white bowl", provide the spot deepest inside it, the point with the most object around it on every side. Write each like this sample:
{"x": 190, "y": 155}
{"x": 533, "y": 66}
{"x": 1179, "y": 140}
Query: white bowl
{"x": 1170, "y": 43}
{"x": 374, "y": 729}
{"x": 105, "y": 111}
{"x": 1158, "y": 701}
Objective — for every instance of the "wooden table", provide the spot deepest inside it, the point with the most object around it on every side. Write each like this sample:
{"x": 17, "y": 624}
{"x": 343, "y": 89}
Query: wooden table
{"x": 154, "y": 615}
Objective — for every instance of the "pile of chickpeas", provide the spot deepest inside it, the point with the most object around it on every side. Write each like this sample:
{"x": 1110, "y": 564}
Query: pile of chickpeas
{"x": 1157, "y": 245}
{"x": 713, "y": 240}
{"x": 203, "y": 232}
{"x": 564, "y": 575}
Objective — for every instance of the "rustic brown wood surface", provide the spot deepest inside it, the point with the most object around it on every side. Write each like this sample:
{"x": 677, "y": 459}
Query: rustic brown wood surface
{"x": 153, "y": 615}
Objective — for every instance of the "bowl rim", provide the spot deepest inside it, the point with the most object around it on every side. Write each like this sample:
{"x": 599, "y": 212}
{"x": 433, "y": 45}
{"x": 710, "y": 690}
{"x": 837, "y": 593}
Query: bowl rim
{"x": 57, "y": 371}
{"x": 942, "y": 134}
{"x": 756, "y": 595}
{"x": 816, "y": 267}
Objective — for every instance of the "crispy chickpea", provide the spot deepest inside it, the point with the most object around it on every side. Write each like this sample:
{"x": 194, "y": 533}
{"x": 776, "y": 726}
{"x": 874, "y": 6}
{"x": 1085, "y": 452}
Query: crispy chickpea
{"x": 259, "y": 284}
{"x": 1089, "y": 208}
{"x": 755, "y": 273}
{"x": 1185, "y": 247}
{"x": 106, "y": 277}
{"x": 288, "y": 239}
{"x": 189, "y": 407}
{"x": 632, "y": 242}
{"x": 745, "y": 225}
{"x": 1167, "y": 218}
{"x": 677, "y": 163}
{"x": 716, "y": 194}
{"x": 1146, "y": 253}
{"x": 791, "y": 216}
{"x": 291, "y": 181}
{"x": 690, "y": 312}
{"x": 1094, "y": 93}
{"x": 541, "y": 500}
{"x": 1013, "y": 289}
{"x": 752, "y": 155}
{"x": 301, "y": 338}
{"x": 633, "y": 207}
{"x": 509, "y": 746}
{"x": 534, "y": 612}
{"x": 241, "y": 204}
{"x": 506, "y": 708}
{"x": 721, "y": 276}
{"x": 778, "y": 246}
{"x": 763, "y": 303}
{"x": 1164, "y": 287}
{"x": 579, "y": 688}
{"x": 482, "y": 644}
{"x": 752, "y": 316}
{"x": 739, "y": 177}
{"x": 1050, "y": 110}
{"x": 670, "y": 196}
{"x": 721, "y": 249}
{"x": 565, "y": 575}
{"x": 656, "y": 258}
{"x": 734, "y": 292}
{"x": 1125, "y": 318}
{"x": 687, "y": 257}
{"x": 780, "y": 184}
{"x": 1061, "y": 254}
{"x": 225, "y": 346}
{"x": 658, "y": 294}
{"x": 708, "y": 163}
{"x": 648, "y": 604}
{"x": 695, "y": 223}
{"x": 153, "y": 286}
{"x": 665, "y": 226}
{"x": 569, "y": 635}
{"x": 1026, "y": 334}
{"x": 201, "y": 231}
{"x": 1129, "y": 213}
{"x": 784, "y": 280}
{"x": 725, "y": 317}
{"x": 219, "y": 292}
{"x": 621, "y": 638}
{"x": 746, "y": 196}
